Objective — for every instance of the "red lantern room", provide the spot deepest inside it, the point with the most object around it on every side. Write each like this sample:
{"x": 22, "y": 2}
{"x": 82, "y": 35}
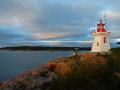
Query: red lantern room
{"x": 101, "y": 27}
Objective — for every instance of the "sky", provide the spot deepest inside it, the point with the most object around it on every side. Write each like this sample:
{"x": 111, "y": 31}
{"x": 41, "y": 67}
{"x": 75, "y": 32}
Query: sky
{"x": 56, "y": 22}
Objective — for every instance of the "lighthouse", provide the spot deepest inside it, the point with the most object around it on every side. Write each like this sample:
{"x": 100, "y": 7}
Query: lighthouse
{"x": 101, "y": 38}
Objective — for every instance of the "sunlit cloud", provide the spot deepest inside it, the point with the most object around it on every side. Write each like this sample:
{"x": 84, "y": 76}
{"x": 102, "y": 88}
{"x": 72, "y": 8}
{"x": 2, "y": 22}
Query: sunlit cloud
{"x": 55, "y": 22}
{"x": 110, "y": 13}
{"x": 48, "y": 35}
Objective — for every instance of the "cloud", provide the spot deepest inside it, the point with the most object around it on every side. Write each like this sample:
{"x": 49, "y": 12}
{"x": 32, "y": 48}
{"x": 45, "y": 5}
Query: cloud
{"x": 61, "y": 43}
{"x": 115, "y": 35}
{"x": 50, "y": 35}
{"x": 32, "y": 21}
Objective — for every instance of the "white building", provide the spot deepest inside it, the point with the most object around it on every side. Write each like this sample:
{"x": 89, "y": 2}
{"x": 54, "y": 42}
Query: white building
{"x": 101, "y": 39}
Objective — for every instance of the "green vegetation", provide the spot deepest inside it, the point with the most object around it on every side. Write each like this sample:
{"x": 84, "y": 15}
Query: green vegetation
{"x": 101, "y": 72}
{"x": 30, "y": 48}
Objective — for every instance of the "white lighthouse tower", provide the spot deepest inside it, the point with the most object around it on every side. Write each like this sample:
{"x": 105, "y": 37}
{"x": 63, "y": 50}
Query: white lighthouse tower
{"x": 101, "y": 38}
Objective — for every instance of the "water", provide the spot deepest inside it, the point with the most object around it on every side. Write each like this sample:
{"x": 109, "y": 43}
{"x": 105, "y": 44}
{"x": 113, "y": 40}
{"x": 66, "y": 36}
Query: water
{"x": 15, "y": 62}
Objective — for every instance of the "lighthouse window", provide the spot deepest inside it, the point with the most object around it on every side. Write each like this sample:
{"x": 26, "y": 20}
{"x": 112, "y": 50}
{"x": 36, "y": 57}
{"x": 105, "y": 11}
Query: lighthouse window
{"x": 101, "y": 26}
{"x": 105, "y": 39}
{"x": 97, "y": 43}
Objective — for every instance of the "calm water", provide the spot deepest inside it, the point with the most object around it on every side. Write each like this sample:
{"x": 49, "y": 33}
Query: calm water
{"x": 15, "y": 62}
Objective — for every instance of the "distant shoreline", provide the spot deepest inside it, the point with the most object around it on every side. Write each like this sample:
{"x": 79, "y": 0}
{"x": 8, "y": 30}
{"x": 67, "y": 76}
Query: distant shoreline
{"x": 37, "y": 48}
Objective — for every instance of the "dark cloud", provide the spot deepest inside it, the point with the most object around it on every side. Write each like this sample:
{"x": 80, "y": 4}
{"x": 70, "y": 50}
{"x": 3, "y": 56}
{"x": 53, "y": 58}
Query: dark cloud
{"x": 32, "y": 21}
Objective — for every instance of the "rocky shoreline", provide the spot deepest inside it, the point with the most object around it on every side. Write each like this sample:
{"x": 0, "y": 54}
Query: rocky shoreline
{"x": 32, "y": 79}
{"x": 41, "y": 77}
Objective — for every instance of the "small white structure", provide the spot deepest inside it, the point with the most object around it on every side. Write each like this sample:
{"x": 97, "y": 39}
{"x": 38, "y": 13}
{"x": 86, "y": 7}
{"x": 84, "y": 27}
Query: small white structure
{"x": 101, "y": 38}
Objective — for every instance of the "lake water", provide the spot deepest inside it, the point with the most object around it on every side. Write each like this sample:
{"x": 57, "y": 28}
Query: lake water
{"x": 15, "y": 62}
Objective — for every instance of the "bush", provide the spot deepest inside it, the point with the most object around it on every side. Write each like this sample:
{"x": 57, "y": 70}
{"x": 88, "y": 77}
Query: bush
{"x": 88, "y": 76}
